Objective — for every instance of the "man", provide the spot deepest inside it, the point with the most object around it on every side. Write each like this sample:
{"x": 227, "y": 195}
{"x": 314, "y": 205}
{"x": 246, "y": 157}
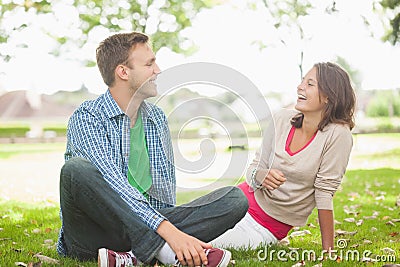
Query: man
{"x": 117, "y": 187}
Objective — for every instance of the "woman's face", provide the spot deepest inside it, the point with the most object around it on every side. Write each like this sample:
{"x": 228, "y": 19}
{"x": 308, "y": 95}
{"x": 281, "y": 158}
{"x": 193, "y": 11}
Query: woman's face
{"x": 308, "y": 97}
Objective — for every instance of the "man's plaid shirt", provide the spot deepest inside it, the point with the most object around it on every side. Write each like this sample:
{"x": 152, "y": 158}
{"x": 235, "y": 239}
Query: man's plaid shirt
{"x": 99, "y": 131}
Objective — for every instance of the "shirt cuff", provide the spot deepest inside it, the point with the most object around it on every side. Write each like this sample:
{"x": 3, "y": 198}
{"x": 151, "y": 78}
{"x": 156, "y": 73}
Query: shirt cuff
{"x": 153, "y": 219}
{"x": 324, "y": 200}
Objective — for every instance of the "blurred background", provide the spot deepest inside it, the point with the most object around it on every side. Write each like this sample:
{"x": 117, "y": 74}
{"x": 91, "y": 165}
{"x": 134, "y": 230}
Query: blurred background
{"x": 47, "y": 69}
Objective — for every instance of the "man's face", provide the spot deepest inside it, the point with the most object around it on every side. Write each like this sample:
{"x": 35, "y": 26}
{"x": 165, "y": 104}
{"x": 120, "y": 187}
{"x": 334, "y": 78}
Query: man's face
{"x": 143, "y": 71}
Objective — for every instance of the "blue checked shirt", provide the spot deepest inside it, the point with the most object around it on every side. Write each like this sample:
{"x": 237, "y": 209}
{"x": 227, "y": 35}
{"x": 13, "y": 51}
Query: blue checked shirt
{"x": 100, "y": 132}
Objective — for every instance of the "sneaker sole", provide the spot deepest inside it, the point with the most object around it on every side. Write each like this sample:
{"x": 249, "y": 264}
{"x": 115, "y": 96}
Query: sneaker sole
{"x": 226, "y": 258}
{"x": 102, "y": 259}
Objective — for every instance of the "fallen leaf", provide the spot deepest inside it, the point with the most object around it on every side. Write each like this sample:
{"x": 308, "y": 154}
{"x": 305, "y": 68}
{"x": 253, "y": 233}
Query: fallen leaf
{"x": 393, "y": 234}
{"x": 36, "y": 231}
{"x": 390, "y": 223}
{"x": 374, "y": 229}
{"x": 369, "y": 217}
{"x": 34, "y": 222}
{"x": 47, "y": 230}
{"x": 284, "y": 242}
{"x": 365, "y": 259}
{"x": 388, "y": 250}
{"x": 350, "y": 220}
{"x": 386, "y": 218}
{"x": 1, "y": 229}
{"x": 46, "y": 259}
{"x": 359, "y": 222}
{"x": 300, "y": 233}
{"x": 366, "y": 241}
{"x": 48, "y": 241}
{"x": 393, "y": 220}
{"x": 341, "y": 232}
{"x": 352, "y": 210}
{"x": 398, "y": 202}
{"x": 26, "y": 232}
{"x": 23, "y": 264}
{"x": 337, "y": 222}
{"x": 355, "y": 246}
{"x": 311, "y": 225}
{"x": 318, "y": 265}
{"x": 381, "y": 197}
{"x": 300, "y": 263}
{"x": 5, "y": 239}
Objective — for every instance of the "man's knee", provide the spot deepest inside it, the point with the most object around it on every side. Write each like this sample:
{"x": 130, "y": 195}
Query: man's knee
{"x": 239, "y": 199}
{"x": 76, "y": 167}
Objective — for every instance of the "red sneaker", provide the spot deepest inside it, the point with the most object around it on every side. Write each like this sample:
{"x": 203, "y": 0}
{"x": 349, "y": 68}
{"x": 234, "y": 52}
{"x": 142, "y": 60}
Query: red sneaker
{"x": 109, "y": 258}
{"x": 217, "y": 257}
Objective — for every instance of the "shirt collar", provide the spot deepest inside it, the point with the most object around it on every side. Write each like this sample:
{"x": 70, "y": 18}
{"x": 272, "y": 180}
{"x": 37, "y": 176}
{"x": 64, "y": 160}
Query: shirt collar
{"x": 113, "y": 110}
{"x": 111, "y": 107}
{"x": 147, "y": 110}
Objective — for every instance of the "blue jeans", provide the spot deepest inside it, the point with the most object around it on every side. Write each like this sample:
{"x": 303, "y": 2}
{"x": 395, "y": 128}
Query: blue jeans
{"x": 94, "y": 215}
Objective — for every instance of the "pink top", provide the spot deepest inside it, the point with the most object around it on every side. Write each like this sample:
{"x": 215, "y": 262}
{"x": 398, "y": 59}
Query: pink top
{"x": 277, "y": 228}
{"x": 290, "y": 138}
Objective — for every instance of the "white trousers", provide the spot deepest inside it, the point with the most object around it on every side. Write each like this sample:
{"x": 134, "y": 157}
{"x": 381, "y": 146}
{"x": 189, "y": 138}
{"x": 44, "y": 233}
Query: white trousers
{"x": 247, "y": 233}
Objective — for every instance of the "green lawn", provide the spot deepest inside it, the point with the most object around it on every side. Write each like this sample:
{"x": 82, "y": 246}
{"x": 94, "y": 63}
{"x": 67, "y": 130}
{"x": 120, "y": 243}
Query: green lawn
{"x": 369, "y": 197}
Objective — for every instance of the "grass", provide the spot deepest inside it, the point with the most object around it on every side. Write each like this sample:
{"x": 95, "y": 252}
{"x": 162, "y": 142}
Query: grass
{"x": 27, "y": 229}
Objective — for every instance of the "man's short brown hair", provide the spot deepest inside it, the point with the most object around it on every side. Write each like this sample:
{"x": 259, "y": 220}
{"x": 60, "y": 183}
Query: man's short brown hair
{"x": 114, "y": 51}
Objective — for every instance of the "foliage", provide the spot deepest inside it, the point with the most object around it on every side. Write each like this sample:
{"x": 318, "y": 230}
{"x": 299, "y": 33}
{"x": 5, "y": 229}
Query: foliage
{"x": 354, "y": 74}
{"x": 287, "y": 15}
{"x": 384, "y": 103}
{"x": 20, "y": 131}
{"x": 10, "y": 150}
{"x": 13, "y": 131}
{"x": 162, "y": 20}
{"x": 392, "y": 8}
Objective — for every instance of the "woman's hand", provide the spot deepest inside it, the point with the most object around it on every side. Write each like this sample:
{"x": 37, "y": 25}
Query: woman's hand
{"x": 272, "y": 179}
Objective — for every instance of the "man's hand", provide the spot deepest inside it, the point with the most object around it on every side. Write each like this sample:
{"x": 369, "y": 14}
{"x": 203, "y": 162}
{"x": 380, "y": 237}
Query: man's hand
{"x": 188, "y": 250}
{"x": 272, "y": 179}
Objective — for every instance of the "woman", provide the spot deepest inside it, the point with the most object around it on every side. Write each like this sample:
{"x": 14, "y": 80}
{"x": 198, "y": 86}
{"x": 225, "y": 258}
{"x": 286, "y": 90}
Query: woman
{"x": 300, "y": 165}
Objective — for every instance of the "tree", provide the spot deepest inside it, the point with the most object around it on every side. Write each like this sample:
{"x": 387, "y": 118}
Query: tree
{"x": 162, "y": 20}
{"x": 391, "y": 11}
{"x": 287, "y": 14}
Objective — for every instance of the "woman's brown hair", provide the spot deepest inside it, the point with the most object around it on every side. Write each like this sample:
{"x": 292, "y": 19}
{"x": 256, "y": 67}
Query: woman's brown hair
{"x": 333, "y": 82}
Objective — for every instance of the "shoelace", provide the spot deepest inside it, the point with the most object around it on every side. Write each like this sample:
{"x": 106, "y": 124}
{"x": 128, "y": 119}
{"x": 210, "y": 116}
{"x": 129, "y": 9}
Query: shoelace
{"x": 123, "y": 259}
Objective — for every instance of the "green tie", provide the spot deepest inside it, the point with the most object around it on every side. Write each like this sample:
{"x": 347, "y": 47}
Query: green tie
{"x": 139, "y": 175}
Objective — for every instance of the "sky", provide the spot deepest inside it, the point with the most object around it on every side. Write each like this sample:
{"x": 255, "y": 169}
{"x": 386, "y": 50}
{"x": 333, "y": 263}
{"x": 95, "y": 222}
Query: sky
{"x": 227, "y": 34}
